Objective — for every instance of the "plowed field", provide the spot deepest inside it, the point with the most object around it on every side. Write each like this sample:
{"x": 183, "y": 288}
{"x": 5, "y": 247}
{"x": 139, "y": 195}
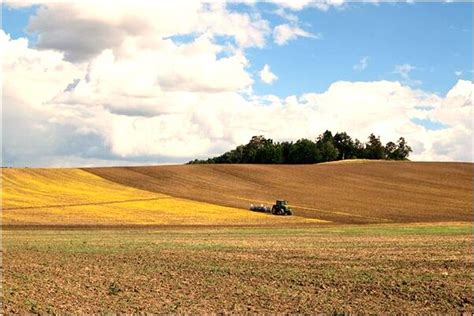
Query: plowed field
{"x": 348, "y": 192}
{"x": 73, "y": 197}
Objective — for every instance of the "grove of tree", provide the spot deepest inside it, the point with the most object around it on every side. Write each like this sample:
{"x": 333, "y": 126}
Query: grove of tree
{"x": 326, "y": 147}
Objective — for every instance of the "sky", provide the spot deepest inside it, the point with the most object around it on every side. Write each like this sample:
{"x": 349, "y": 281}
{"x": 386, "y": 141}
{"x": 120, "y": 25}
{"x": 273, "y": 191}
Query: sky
{"x": 88, "y": 83}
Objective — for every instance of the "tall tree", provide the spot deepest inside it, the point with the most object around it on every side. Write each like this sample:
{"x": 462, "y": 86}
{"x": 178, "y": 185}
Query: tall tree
{"x": 391, "y": 150}
{"x": 374, "y": 148}
{"x": 403, "y": 149}
{"x": 304, "y": 151}
{"x": 345, "y": 146}
{"x": 326, "y": 147}
{"x": 327, "y": 150}
{"x": 359, "y": 149}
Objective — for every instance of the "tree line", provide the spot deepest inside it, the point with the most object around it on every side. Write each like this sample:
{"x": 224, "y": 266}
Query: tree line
{"x": 327, "y": 147}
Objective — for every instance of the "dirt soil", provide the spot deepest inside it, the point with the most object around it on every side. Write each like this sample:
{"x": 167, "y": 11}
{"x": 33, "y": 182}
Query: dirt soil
{"x": 372, "y": 269}
{"x": 350, "y": 192}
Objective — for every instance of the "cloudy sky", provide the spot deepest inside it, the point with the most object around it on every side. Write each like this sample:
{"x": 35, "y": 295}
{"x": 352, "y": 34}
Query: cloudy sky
{"x": 131, "y": 82}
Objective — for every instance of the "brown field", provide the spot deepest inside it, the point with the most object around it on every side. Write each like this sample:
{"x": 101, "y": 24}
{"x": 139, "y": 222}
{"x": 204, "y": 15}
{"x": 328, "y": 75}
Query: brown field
{"x": 368, "y": 237}
{"x": 349, "y": 192}
{"x": 408, "y": 268}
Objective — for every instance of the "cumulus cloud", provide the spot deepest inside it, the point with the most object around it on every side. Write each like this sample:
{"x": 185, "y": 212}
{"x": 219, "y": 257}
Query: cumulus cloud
{"x": 266, "y": 75}
{"x": 89, "y": 31}
{"x": 362, "y": 64}
{"x": 143, "y": 96}
{"x": 284, "y": 33}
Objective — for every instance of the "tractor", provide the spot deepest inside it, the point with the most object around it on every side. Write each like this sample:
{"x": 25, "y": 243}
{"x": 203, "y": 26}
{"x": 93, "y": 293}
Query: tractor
{"x": 281, "y": 208}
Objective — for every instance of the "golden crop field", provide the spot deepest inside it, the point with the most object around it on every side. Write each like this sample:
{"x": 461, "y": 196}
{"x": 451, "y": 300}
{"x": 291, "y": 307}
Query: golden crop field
{"x": 46, "y": 187}
{"x": 76, "y": 197}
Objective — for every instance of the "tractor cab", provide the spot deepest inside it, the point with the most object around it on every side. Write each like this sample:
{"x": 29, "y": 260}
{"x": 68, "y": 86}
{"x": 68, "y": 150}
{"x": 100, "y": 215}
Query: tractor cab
{"x": 281, "y": 208}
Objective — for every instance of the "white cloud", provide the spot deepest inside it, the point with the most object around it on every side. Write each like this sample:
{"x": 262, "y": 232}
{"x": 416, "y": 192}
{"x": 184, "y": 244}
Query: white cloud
{"x": 142, "y": 96}
{"x": 404, "y": 72}
{"x": 144, "y": 22}
{"x": 266, "y": 75}
{"x": 458, "y": 73}
{"x": 281, "y": 12}
{"x": 283, "y": 33}
{"x": 362, "y": 64}
{"x": 297, "y": 5}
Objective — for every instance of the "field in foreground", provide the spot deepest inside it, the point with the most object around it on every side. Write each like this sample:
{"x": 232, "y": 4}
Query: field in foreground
{"x": 418, "y": 268}
{"x": 178, "y": 239}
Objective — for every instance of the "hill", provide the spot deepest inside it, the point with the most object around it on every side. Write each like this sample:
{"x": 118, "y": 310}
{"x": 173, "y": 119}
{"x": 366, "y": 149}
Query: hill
{"x": 72, "y": 197}
{"x": 343, "y": 192}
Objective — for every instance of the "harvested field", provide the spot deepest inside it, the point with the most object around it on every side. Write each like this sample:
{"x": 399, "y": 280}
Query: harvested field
{"x": 73, "y": 197}
{"x": 409, "y": 268}
{"x": 342, "y": 192}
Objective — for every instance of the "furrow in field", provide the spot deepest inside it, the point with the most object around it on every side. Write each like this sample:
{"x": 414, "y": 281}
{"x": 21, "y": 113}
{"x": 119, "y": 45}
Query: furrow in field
{"x": 343, "y": 192}
{"x": 73, "y": 197}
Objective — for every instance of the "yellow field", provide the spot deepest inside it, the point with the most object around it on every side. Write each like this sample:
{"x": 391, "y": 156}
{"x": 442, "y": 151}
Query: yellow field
{"x": 76, "y": 197}
{"x": 46, "y": 187}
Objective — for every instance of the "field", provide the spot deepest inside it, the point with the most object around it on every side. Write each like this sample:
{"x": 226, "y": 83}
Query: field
{"x": 178, "y": 239}
{"x": 383, "y": 268}
{"x": 72, "y": 197}
{"x": 349, "y": 192}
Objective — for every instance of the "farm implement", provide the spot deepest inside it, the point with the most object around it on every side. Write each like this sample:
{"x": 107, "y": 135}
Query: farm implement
{"x": 279, "y": 208}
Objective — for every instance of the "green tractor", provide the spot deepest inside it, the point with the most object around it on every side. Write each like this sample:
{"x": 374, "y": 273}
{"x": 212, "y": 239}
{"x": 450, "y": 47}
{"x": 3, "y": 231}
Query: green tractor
{"x": 281, "y": 208}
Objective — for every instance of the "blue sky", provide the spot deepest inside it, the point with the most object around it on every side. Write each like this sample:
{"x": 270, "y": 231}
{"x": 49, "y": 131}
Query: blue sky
{"x": 434, "y": 38}
{"x": 168, "y": 82}
{"x": 15, "y": 20}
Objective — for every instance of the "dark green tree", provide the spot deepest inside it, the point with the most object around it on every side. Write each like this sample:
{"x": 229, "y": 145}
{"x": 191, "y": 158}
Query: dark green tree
{"x": 327, "y": 151}
{"x": 285, "y": 149}
{"x": 345, "y": 146}
{"x": 304, "y": 151}
{"x": 359, "y": 149}
{"x": 403, "y": 149}
{"x": 374, "y": 148}
{"x": 326, "y": 147}
{"x": 250, "y": 153}
{"x": 391, "y": 150}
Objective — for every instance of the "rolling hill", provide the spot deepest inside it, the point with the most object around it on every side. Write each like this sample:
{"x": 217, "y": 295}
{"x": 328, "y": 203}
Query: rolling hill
{"x": 341, "y": 192}
{"x": 73, "y": 197}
